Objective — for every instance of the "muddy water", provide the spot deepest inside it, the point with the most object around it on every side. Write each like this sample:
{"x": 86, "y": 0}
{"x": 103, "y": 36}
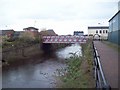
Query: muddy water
{"x": 41, "y": 75}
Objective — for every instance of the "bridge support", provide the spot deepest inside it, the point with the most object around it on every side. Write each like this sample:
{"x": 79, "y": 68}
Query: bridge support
{"x": 47, "y": 49}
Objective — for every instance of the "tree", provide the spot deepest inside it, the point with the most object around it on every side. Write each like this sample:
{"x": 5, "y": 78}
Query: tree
{"x": 27, "y": 37}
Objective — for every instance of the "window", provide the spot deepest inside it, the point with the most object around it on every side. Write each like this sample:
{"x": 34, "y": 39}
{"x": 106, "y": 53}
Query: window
{"x": 100, "y": 31}
{"x": 96, "y": 31}
{"x": 106, "y": 31}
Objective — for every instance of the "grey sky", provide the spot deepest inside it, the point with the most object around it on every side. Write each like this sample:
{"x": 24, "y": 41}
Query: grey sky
{"x": 64, "y": 16}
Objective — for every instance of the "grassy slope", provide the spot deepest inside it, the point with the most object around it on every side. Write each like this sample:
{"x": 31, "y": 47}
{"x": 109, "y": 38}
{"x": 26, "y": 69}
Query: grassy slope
{"x": 80, "y": 72}
{"x": 110, "y": 44}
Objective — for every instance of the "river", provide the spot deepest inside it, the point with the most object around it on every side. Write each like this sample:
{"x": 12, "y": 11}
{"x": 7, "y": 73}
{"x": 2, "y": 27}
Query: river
{"x": 41, "y": 75}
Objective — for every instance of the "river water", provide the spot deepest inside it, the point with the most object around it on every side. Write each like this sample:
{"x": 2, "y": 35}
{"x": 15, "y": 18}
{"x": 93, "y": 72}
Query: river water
{"x": 41, "y": 75}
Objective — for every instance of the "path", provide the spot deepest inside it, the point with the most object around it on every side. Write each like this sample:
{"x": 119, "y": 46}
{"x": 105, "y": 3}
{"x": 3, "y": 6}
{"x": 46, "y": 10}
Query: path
{"x": 109, "y": 61}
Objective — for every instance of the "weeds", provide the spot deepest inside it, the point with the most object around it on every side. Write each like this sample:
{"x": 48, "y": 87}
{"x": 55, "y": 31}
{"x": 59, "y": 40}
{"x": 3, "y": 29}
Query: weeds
{"x": 112, "y": 45}
{"x": 79, "y": 70}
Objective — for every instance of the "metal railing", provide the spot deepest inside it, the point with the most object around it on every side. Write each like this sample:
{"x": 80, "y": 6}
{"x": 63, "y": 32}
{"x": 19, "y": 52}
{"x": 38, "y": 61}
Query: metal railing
{"x": 101, "y": 82}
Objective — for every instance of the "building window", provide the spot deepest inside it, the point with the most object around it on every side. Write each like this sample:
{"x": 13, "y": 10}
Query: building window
{"x": 106, "y": 31}
{"x": 100, "y": 31}
{"x": 96, "y": 31}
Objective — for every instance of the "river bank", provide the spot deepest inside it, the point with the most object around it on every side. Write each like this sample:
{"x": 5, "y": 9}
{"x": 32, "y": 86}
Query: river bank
{"x": 15, "y": 57}
{"x": 29, "y": 54}
{"x": 79, "y": 71}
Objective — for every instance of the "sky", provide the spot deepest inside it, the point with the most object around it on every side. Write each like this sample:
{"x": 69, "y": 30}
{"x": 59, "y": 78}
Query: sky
{"x": 63, "y": 16}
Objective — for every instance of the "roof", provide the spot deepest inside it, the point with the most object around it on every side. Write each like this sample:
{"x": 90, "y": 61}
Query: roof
{"x": 6, "y": 31}
{"x": 48, "y": 32}
{"x": 30, "y": 28}
{"x": 78, "y": 32}
{"x": 98, "y": 27}
{"x": 114, "y": 15}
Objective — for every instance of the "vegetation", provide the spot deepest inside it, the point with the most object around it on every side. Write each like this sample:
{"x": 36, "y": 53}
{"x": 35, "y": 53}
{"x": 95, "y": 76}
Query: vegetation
{"x": 79, "y": 73}
{"x": 20, "y": 48}
{"x": 25, "y": 39}
{"x": 115, "y": 46}
{"x": 23, "y": 48}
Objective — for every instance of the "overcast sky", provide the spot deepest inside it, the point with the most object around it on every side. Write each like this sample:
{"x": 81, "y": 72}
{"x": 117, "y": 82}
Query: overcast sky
{"x": 63, "y": 16}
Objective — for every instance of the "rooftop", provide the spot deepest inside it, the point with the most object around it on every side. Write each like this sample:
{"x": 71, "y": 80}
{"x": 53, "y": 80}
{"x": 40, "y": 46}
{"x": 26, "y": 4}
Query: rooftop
{"x": 98, "y": 27}
{"x": 3, "y": 32}
{"x": 30, "y": 28}
{"x": 114, "y": 15}
{"x": 48, "y": 32}
{"x": 78, "y": 31}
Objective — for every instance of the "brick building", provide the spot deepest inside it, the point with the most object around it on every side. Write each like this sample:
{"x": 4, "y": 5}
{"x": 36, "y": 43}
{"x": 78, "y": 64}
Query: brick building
{"x": 32, "y": 30}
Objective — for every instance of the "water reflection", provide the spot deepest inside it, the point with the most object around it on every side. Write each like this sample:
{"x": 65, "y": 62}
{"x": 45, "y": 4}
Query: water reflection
{"x": 68, "y": 51}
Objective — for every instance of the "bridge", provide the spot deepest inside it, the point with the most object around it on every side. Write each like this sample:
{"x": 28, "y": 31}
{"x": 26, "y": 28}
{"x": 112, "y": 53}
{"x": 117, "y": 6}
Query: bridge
{"x": 64, "y": 39}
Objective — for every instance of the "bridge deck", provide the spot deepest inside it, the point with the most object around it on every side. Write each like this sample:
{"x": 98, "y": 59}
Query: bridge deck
{"x": 64, "y": 39}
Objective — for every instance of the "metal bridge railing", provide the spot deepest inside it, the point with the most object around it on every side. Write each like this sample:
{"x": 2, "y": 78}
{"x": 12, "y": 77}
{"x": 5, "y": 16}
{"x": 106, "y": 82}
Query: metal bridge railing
{"x": 100, "y": 79}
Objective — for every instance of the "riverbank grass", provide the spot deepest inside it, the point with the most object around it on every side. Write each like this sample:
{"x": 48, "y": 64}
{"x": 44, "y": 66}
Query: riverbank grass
{"x": 80, "y": 70}
{"x": 112, "y": 45}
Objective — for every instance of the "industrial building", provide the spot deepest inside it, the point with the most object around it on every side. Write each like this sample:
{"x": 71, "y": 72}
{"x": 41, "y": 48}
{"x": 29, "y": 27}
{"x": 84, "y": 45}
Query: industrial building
{"x": 114, "y": 28}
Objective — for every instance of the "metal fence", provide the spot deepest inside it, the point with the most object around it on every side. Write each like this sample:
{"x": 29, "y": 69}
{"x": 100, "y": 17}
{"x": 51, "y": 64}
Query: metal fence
{"x": 101, "y": 82}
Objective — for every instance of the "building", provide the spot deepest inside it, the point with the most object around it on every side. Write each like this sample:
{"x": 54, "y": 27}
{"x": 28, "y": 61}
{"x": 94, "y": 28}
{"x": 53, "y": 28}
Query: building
{"x": 32, "y": 30}
{"x": 79, "y": 33}
{"x": 118, "y": 5}
{"x": 114, "y": 28}
{"x": 17, "y": 34}
{"x": 48, "y": 32}
{"x": 9, "y": 33}
{"x": 98, "y": 32}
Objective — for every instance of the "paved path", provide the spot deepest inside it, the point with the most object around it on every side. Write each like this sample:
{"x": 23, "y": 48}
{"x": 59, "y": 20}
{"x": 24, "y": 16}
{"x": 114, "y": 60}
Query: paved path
{"x": 109, "y": 61}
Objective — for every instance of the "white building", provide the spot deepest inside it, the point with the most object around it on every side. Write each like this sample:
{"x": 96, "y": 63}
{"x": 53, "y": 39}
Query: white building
{"x": 98, "y": 32}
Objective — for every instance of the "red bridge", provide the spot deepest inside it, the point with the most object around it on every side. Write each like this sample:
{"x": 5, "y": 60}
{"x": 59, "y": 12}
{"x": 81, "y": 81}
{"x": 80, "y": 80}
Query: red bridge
{"x": 64, "y": 39}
